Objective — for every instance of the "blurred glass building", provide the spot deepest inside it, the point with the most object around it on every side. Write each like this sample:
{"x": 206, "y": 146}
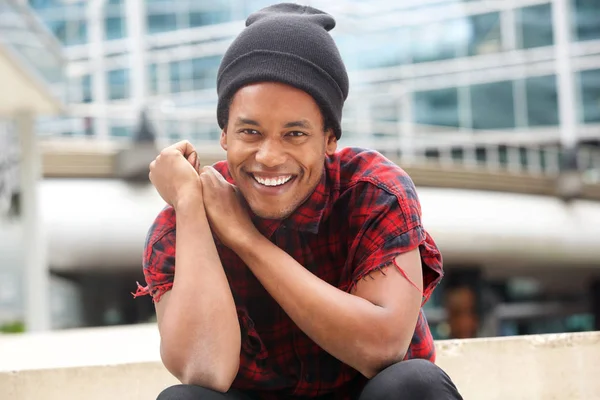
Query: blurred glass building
{"x": 489, "y": 85}
{"x": 424, "y": 74}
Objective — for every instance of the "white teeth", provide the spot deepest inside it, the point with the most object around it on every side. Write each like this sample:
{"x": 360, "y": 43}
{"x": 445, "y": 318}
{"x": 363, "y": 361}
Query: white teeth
{"x": 273, "y": 181}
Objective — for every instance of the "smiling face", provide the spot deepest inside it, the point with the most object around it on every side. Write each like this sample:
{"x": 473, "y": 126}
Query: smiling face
{"x": 276, "y": 145}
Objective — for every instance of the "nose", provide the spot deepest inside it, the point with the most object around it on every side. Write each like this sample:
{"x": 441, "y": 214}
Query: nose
{"x": 271, "y": 153}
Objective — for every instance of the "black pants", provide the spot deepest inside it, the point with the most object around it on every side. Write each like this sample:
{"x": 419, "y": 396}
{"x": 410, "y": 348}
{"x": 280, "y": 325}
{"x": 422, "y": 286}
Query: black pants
{"x": 407, "y": 380}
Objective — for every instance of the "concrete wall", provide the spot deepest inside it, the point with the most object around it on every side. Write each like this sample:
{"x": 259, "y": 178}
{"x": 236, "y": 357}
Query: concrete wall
{"x": 123, "y": 363}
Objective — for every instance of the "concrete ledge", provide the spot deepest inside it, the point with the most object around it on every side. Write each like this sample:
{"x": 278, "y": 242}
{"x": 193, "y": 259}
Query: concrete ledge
{"x": 124, "y": 363}
{"x": 543, "y": 367}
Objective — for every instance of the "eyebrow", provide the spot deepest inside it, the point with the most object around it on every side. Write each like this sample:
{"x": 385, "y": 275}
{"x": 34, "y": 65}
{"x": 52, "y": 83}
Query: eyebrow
{"x": 303, "y": 123}
{"x": 246, "y": 121}
{"x": 298, "y": 124}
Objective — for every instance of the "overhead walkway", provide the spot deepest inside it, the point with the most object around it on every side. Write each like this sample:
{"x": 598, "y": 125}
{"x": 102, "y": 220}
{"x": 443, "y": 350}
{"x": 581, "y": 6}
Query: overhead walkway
{"x": 76, "y": 158}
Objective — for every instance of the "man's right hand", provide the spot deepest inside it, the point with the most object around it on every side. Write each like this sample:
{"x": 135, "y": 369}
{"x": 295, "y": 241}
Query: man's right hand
{"x": 174, "y": 173}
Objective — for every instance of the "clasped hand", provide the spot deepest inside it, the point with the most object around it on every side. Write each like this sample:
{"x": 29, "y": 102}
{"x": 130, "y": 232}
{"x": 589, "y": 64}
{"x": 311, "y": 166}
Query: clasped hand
{"x": 178, "y": 178}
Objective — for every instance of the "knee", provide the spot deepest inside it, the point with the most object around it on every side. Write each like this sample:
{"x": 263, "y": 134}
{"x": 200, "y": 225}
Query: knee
{"x": 418, "y": 376}
{"x": 414, "y": 379}
{"x": 181, "y": 392}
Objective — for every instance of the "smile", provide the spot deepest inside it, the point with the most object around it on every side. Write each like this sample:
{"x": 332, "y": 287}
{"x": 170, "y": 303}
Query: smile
{"x": 272, "y": 181}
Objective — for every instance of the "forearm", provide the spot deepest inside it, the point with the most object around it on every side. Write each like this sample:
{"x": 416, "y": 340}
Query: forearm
{"x": 319, "y": 309}
{"x": 199, "y": 329}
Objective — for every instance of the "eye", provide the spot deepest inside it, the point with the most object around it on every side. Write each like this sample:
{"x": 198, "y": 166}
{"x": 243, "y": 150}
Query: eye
{"x": 250, "y": 132}
{"x": 296, "y": 134}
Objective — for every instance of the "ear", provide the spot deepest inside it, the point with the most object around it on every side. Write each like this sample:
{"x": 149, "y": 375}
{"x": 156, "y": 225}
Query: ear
{"x": 223, "y": 139}
{"x": 330, "y": 142}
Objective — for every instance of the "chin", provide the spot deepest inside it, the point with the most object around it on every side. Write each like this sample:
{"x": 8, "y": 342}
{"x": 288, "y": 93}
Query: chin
{"x": 270, "y": 213}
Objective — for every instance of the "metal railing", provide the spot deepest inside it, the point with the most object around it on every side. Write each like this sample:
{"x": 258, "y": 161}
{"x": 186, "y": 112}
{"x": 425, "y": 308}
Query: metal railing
{"x": 534, "y": 152}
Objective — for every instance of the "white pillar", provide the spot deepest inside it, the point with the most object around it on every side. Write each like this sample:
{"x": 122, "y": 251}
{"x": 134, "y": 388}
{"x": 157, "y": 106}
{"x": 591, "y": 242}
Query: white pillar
{"x": 138, "y": 75}
{"x": 95, "y": 22}
{"x": 561, "y": 20}
{"x": 406, "y": 128}
{"x": 36, "y": 273}
{"x": 507, "y": 29}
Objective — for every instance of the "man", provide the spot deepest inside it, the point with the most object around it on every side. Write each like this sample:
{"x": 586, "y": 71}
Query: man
{"x": 291, "y": 270}
{"x": 461, "y": 304}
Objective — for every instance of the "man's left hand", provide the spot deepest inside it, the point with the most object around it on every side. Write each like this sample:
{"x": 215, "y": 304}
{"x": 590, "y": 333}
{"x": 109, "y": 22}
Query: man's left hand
{"x": 225, "y": 209}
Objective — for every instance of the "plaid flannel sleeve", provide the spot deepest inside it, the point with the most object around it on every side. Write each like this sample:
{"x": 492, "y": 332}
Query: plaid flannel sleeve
{"x": 390, "y": 225}
{"x": 159, "y": 256}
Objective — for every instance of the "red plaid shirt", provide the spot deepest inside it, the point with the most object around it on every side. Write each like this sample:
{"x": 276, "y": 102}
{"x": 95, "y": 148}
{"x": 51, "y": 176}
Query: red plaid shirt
{"x": 362, "y": 214}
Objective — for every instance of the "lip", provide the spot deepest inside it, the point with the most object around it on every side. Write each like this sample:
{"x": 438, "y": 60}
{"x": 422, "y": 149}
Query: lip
{"x": 271, "y": 190}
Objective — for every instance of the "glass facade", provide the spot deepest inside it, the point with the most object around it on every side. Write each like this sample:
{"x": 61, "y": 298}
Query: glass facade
{"x": 437, "y": 107}
{"x": 542, "y": 101}
{"x": 33, "y": 48}
{"x": 118, "y": 84}
{"x": 590, "y": 95}
{"x": 587, "y": 17}
{"x": 492, "y": 105}
{"x": 465, "y": 80}
{"x": 444, "y": 67}
{"x": 534, "y": 26}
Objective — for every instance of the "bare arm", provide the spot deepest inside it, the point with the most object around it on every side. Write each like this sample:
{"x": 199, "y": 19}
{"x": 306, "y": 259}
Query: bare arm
{"x": 200, "y": 333}
{"x": 197, "y": 319}
{"x": 368, "y": 330}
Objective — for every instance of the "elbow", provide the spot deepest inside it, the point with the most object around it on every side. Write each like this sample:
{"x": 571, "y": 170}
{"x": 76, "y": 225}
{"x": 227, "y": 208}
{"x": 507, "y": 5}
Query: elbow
{"x": 217, "y": 379}
{"x": 217, "y": 375}
{"x": 380, "y": 357}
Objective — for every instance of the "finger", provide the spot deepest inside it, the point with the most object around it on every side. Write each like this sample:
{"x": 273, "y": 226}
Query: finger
{"x": 193, "y": 159}
{"x": 216, "y": 174}
{"x": 208, "y": 176}
{"x": 184, "y": 147}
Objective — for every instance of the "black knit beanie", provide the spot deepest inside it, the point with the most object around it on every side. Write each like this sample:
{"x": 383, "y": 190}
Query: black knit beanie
{"x": 286, "y": 43}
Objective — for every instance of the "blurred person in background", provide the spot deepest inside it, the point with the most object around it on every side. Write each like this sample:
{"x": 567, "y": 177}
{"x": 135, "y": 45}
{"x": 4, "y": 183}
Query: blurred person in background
{"x": 460, "y": 302}
{"x": 291, "y": 270}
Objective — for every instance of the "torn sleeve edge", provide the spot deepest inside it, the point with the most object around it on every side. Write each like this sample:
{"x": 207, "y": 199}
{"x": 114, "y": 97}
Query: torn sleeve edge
{"x": 156, "y": 292}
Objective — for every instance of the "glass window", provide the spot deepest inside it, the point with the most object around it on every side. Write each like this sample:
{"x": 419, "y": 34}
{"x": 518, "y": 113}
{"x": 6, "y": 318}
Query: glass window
{"x": 59, "y": 29}
{"x": 69, "y": 32}
{"x": 492, "y": 105}
{"x": 202, "y": 18}
{"x": 542, "y": 100}
{"x": 80, "y": 89}
{"x": 41, "y": 4}
{"x": 158, "y": 23}
{"x": 86, "y": 89}
{"x": 485, "y": 34}
{"x": 436, "y": 107}
{"x": 118, "y": 84}
{"x": 76, "y": 33}
{"x": 175, "y": 76}
{"x": 590, "y": 95}
{"x": 375, "y": 49}
{"x": 587, "y": 19}
{"x": 255, "y": 5}
{"x": 534, "y": 26}
{"x": 438, "y": 41}
{"x": 114, "y": 28}
{"x": 153, "y": 79}
{"x": 181, "y": 76}
{"x": 121, "y": 131}
{"x": 204, "y": 72}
